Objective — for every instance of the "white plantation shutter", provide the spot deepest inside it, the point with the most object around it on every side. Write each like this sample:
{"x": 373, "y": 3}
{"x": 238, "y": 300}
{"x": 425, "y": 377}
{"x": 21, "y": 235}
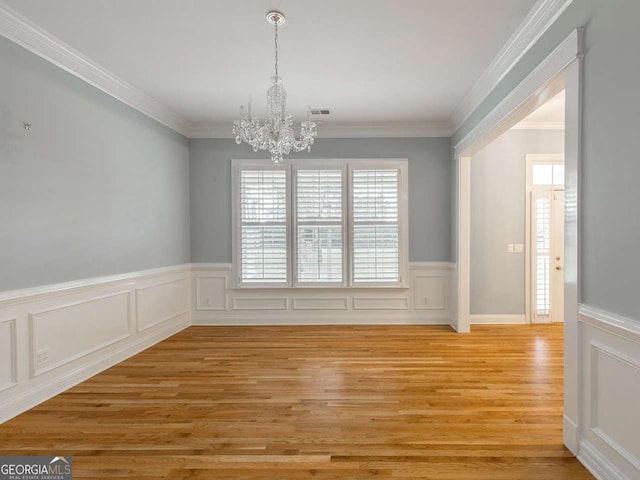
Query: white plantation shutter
{"x": 263, "y": 226}
{"x": 330, "y": 223}
{"x": 376, "y": 242}
{"x": 542, "y": 252}
{"x": 319, "y": 228}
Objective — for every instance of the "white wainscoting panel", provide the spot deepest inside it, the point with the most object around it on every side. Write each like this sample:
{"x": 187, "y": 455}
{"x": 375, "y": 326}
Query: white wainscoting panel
{"x": 68, "y": 332}
{"x": 263, "y": 303}
{"x": 214, "y": 303}
{"x": 211, "y": 292}
{"x": 610, "y": 394}
{"x": 498, "y": 319}
{"x": 54, "y": 337}
{"x": 160, "y": 302}
{"x": 8, "y": 350}
{"x": 336, "y": 303}
{"x": 430, "y": 291}
{"x": 380, "y": 303}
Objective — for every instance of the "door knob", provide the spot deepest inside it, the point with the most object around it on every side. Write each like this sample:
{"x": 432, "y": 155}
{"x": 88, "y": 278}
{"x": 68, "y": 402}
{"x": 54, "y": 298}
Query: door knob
{"x": 557, "y": 258}
{"x": 558, "y": 267}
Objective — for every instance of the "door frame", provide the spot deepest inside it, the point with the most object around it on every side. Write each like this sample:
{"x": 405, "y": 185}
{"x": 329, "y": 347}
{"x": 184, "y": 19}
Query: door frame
{"x": 532, "y": 159}
{"x": 562, "y": 66}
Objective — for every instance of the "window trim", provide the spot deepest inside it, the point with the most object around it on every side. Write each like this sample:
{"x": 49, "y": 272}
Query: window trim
{"x": 347, "y": 165}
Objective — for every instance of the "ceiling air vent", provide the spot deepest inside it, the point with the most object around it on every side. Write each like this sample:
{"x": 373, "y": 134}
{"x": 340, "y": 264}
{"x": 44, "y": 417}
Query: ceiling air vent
{"x": 320, "y": 111}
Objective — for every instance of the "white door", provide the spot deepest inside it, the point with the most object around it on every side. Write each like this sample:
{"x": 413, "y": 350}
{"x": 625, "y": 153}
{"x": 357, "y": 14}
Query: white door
{"x": 547, "y": 255}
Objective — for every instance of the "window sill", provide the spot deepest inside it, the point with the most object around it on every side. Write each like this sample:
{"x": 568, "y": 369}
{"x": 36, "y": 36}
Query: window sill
{"x": 320, "y": 287}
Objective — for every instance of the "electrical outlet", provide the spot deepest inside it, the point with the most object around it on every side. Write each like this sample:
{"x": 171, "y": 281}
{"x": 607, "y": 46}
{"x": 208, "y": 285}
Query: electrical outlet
{"x": 519, "y": 248}
{"x": 42, "y": 356}
{"x": 510, "y": 248}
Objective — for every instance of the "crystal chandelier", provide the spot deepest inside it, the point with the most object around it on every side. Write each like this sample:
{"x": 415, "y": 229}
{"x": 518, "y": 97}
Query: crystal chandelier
{"x": 276, "y": 133}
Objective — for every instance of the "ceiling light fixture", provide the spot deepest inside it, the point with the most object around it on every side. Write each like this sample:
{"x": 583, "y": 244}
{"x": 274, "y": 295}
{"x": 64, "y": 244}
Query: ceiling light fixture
{"x": 276, "y": 133}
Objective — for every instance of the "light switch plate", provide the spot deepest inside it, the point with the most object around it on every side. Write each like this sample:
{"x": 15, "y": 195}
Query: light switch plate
{"x": 510, "y": 248}
{"x": 519, "y": 248}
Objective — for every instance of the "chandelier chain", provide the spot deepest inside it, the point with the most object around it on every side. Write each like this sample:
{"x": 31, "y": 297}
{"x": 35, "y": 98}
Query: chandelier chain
{"x": 276, "y": 49}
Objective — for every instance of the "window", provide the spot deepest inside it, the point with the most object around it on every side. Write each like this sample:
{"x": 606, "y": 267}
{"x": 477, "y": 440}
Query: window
{"x": 319, "y": 228}
{"x": 375, "y": 225}
{"x": 548, "y": 174}
{"x": 335, "y": 223}
{"x": 263, "y": 230}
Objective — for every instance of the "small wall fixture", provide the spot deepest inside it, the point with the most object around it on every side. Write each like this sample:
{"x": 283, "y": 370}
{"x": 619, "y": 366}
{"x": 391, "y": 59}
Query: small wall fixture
{"x": 27, "y": 126}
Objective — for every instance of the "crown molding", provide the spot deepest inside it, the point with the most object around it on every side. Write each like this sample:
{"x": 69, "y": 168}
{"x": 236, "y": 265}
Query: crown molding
{"x": 537, "y": 21}
{"x": 210, "y": 130}
{"x": 384, "y": 129}
{"x": 34, "y": 38}
{"x": 538, "y": 126}
{"x": 37, "y": 40}
{"x": 341, "y": 130}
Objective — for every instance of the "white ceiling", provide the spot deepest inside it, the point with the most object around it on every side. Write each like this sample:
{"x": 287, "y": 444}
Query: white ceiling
{"x": 363, "y": 59}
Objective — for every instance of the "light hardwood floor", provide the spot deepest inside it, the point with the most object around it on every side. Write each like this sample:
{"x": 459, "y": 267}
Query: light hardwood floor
{"x": 348, "y": 402}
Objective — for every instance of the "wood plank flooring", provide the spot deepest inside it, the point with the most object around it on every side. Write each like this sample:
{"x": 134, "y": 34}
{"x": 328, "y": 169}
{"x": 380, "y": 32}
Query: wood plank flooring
{"x": 347, "y": 402}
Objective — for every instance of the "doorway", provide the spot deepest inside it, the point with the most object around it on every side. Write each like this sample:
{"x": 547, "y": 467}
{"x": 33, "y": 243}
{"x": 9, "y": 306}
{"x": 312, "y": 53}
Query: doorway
{"x": 544, "y": 239}
{"x": 563, "y": 65}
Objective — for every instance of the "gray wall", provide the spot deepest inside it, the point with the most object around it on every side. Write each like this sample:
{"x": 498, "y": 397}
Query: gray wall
{"x": 610, "y": 166}
{"x": 429, "y": 195}
{"x": 498, "y": 193}
{"x": 94, "y": 188}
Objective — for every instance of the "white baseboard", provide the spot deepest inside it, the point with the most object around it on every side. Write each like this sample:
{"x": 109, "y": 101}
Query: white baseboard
{"x": 337, "y": 319}
{"x": 570, "y": 435}
{"x": 498, "y": 319}
{"x": 598, "y": 464}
